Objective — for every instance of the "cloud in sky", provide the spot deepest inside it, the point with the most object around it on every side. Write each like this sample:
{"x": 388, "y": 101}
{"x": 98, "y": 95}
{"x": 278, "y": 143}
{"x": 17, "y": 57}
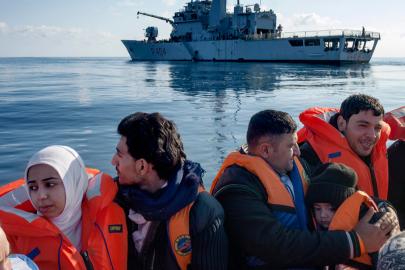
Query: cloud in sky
{"x": 129, "y": 3}
{"x": 170, "y": 2}
{"x": 64, "y": 35}
{"x": 3, "y": 27}
{"x": 106, "y": 35}
{"x": 279, "y": 16}
{"x": 166, "y": 14}
{"x": 312, "y": 19}
{"x": 116, "y": 12}
{"x": 40, "y": 31}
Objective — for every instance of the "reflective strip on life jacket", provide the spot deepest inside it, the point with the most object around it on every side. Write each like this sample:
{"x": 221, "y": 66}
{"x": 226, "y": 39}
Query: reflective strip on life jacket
{"x": 14, "y": 198}
{"x": 14, "y": 195}
{"x": 347, "y": 217}
{"x": 94, "y": 187}
{"x": 179, "y": 235}
{"x": 331, "y": 146}
{"x": 29, "y": 217}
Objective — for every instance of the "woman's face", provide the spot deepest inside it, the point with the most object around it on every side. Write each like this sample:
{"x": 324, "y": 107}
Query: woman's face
{"x": 46, "y": 190}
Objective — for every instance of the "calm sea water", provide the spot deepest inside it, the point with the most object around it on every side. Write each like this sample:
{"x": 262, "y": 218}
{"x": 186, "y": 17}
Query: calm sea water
{"x": 79, "y": 102}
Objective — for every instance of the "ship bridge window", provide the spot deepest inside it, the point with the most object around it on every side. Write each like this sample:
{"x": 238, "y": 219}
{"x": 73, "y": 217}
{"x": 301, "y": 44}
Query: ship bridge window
{"x": 312, "y": 42}
{"x": 359, "y": 45}
{"x": 369, "y": 46}
{"x": 296, "y": 42}
{"x": 349, "y": 44}
{"x": 331, "y": 44}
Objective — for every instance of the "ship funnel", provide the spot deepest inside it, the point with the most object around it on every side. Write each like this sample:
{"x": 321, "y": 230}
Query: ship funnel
{"x": 217, "y": 12}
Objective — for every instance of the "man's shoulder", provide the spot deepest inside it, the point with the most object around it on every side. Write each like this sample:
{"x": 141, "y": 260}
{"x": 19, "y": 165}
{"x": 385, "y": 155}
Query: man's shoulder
{"x": 207, "y": 205}
{"x": 205, "y": 210}
{"x": 235, "y": 175}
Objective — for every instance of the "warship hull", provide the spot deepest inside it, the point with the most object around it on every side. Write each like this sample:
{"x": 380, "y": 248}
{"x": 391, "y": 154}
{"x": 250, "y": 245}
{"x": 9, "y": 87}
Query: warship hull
{"x": 254, "y": 50}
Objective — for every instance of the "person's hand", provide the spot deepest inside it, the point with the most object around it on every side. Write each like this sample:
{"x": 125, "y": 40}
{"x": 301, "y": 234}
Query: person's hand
{"x": 375, "y": 235}
{"x": 397, "y": 229}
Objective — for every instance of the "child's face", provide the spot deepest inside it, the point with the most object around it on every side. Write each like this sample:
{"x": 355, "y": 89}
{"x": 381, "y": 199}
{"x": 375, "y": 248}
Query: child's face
{"x": 324, "y": 213}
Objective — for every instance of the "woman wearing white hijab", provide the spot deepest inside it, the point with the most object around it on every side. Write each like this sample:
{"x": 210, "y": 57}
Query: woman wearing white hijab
{"x": 74, "y": 215}
{"x": 56, "y": 183}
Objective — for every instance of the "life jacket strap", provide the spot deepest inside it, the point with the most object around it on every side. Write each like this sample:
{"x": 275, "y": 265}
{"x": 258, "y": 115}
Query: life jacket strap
{"x": 35, "y": 252}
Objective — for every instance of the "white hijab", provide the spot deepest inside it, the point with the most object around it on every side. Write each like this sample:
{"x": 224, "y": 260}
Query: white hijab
{"x": 72, "y": 171}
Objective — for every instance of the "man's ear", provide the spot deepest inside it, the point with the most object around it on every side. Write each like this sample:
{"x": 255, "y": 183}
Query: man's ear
{"x": 265, "y": 150}
{"x": 341, "y": 123}
{"x": 142, "y": 166}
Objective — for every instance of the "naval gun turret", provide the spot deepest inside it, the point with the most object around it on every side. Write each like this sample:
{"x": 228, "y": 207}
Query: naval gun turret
{"x": 151, "y": 33}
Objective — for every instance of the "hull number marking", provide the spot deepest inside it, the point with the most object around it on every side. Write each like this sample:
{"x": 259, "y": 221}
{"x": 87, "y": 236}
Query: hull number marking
{"x": 158, "y": 51}
{"x": 356, "y": 56}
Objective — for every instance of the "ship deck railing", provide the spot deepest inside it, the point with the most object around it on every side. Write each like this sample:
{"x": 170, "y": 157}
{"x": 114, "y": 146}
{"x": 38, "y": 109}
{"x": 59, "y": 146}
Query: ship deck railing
{"x": 319, "y": 33}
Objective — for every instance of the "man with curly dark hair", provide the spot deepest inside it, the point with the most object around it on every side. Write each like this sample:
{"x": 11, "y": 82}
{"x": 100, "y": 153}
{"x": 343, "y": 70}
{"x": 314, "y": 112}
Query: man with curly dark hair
{"x": 355, "y": 135}
{"x": 173, "y": 222}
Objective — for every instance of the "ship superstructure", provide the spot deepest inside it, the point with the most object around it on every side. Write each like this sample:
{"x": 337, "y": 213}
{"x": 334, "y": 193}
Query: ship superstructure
{"x": 204, "y": 31}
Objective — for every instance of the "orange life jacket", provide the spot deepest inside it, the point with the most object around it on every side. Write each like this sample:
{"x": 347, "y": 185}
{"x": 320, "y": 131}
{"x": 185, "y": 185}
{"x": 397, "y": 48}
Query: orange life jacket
{"x": 332, "y": 146}
{"x": 179, "y": 235}
{"x": 347, "y": 217}
{"x": 104, "y": 232}
{"x": 276, "y": 190}
{"x": 396, "y": 120}
{"x": 278, "y": 195}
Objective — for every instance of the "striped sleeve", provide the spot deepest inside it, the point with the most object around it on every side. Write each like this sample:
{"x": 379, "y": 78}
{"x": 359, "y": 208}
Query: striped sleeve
{"x": 355, "y": 243}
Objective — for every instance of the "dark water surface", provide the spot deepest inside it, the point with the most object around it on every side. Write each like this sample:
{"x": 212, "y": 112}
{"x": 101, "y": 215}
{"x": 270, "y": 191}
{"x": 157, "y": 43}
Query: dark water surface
{"x": 79, "y": 102}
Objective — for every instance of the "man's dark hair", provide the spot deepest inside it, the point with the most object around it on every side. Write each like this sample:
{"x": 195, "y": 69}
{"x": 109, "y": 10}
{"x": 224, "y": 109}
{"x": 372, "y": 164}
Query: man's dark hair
{"x": 269, "y": 123}
{"x": 360, "y": 102}
{"x": 154, "y": 138}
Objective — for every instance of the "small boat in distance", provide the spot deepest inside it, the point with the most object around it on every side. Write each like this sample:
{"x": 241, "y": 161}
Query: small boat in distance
{"x": 204, "y": 31}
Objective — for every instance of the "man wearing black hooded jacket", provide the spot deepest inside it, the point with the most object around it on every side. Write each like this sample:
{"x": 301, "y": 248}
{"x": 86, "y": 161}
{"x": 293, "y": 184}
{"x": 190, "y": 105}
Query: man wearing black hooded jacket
{"x": 172, "y": 222}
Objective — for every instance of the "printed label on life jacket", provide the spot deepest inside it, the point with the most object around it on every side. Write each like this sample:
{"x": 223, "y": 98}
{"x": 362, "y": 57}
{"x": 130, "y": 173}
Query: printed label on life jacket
{"x": 182, "y": 245}
{"x": 305, "y": 177}
{"x": 116, "y": 228}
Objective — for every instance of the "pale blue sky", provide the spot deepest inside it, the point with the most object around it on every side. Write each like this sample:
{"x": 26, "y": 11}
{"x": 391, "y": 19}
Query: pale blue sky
{"x": 94, "y": 28}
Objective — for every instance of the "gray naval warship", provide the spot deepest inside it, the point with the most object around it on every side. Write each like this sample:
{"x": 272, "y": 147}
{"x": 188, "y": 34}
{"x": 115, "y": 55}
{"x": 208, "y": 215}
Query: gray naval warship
{"x": 204, "y": 31}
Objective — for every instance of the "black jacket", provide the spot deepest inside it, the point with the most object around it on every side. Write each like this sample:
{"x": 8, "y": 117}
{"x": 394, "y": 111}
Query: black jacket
{"x": 253, "y": 230}
{"x": 209, "y": 242}
{"x": 396, "y": 186}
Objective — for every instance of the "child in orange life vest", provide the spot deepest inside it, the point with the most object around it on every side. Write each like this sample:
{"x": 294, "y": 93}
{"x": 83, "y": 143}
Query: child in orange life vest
{"x": 332, "y": 184}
